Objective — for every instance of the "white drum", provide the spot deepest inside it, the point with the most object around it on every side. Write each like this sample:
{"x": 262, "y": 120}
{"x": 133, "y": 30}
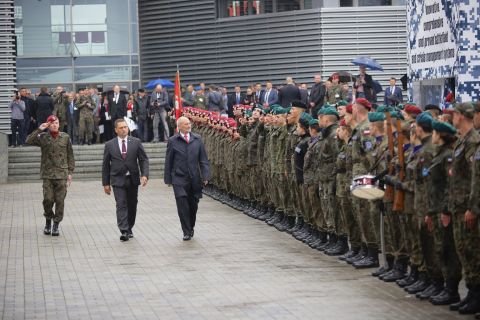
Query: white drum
{"x": 366, "y": 187}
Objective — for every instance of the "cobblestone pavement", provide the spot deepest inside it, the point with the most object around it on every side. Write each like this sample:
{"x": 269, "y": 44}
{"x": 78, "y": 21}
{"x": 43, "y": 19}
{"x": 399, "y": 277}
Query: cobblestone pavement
{"x": 235, "y": 268}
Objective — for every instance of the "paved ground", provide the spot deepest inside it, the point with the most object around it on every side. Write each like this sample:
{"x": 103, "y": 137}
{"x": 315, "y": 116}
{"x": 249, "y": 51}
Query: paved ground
{"x": 235, "y": 268}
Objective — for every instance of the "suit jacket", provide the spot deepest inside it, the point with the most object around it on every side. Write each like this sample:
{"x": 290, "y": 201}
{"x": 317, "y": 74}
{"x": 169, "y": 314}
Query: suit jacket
{"x": 304, "y": 96}
{"x": 397, "y": 93}
{"x": 317, "y": 94}
{"x": 232, "y": 100}
{"x": 186, "y": 163}
{"x": 260, "y": 97}
{"x": 117, "y": 110}
{"x": 272, "y": 97}
{"x": 114, "y": 169}
{"x": 162, "y": 102}
{"x": 287, "y": 94}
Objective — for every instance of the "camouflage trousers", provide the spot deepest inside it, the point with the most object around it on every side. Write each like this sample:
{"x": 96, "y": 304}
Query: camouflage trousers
{"x": 393, "y": 242}
{"x": 54, "y": 193}
{"x": 329, "y": 205}
{"x": 446, "y": 253}
{"x": 427, "y": 244}
{"x": 314, "y": 216}
{"x": 348, "y": 221}
{"x": 467, "y": 242}
{"x": 281, "y": 192}
{"x": 292, "y": 205}
{"x": 85, "y": 130}
{"x": 411, "y": 235}
{"x": 362, "y": 212}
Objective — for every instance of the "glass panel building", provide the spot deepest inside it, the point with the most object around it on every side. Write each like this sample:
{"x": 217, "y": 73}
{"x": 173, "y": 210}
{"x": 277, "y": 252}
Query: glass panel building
{"x": 75, "y": 43}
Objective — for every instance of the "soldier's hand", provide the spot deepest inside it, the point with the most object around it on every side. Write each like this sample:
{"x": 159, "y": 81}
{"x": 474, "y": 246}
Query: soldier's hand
{"x": 69, "y": 180}
{"x": 446, "y": 219}
{"x": 470, "y": 219}
{"x": 44, "y": 126}
{"x": 429, "y": 223}
{"x": 107, "y": 190}
{"x": 143, "y": 180}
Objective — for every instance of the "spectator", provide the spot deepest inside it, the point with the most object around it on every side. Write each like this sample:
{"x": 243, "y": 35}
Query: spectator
{"x": 141, "y": 111}
{"x": 288, "y": 93}
{"x": 214, "y": 99}
{"x": 225, "y": 97}
{"x": 364, "y": 86}
{"x": 106, "y": 120}
{"x": 117, "y": 104}
{"x": 393, "y": 94}
{"x": 43, "y": 105}
{"x": 17, "y": 107}
{"x": 271, "y": 95}
{"x": 249, "y": 99}
{"x": 159, "y": 107}
{"x": 73, "y": 118}
{"x": 317, "y": 95}
{"x": 303, "y": 93}
{"x": 29, "y": 113}
{"x": 259, "y": 93}
{"x": 188, "y": 97}
{"x": 200, "y": 101}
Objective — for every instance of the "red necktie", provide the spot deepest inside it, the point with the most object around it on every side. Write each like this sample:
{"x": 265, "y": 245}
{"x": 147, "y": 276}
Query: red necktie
{"x": 124, "y": 150}
{"x": 186, "y": 137}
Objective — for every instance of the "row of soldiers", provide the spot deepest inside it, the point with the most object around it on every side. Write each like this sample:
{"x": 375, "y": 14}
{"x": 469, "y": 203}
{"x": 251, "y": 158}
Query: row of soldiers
{"x": 76, "y": 113}
{"x": 294, "y": 172}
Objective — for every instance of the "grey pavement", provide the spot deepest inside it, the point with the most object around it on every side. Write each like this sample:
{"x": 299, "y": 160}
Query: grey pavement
{"x": 235, "y": 268}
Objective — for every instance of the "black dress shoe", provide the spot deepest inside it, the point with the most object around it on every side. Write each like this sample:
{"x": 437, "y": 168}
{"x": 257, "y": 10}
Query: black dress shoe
{"x": 55, "y": 232}
{"x": 187, "y": 237}
{"x": 130, "y": 234}
{"x": 48, "y": 227}
{"x": 192, "y": 233}
{"x": 124, "y": 236}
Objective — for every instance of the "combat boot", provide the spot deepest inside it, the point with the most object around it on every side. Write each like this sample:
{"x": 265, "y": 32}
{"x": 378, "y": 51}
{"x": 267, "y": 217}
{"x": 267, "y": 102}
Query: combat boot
{"x": 349, "y": 254}
{"x": 456, "y": 306}
{"x": 55, "y": 231}
{"x": 473, "y": 305}
{"x": 297, "y": 226}
{"x": 386, "y": 267}
{"x": 332, "y": 241}
{"x": 340, "y": 248}
{"x": 410, "y": 279}
{"x": 280, "y": 222}
{"x": 289, "y": 223}
{"x": 48, "y": 226}
{"x": 448, "y": 296}
{"x": 370, "y": 261}
{"x": 321, "y": 238}
{"x": 421, "y": 284}
{"x": 301, "y": 231}
{"x": 398, "y": 272}
{"x": 435, "y": 287}
{"x": 359, "y": 256}
{"x": 279, "y": 215}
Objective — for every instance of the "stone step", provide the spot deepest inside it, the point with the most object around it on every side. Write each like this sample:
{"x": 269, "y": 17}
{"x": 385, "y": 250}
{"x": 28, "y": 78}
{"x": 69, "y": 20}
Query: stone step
{"x": 91, "y": 176}
{"x": 25, "y": 151}
{"x": 78, "y": 164}
{"x": 78, "y": 170}
{"x": 78, "y": 157}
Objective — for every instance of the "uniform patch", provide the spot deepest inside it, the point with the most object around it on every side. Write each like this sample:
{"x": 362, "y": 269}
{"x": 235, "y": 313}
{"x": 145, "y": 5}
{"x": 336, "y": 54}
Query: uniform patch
{"x": 368, "y": 145}
{"x": 449, "y": 160}
{"x": 354, "y": 138}
{"x": 298, "y": 150}
{"x": 425, "y": 172}
{"x": 458, "y": 152}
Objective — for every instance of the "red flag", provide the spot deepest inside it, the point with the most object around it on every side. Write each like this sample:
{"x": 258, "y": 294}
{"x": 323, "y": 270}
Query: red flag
{"x": 178, "y": 97}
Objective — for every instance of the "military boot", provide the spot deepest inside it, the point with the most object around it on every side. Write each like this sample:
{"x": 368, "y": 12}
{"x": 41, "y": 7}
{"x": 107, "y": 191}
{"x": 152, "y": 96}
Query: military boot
{"x": 298, "y": 225}
{"x": 280, "y": 222}
{"x": 398, "y": 272}
{"x": 359, "y": 256}
{"x": 386, "y": 267}
{"x": 456, "y": 306}
{"x": 332, "y": 241}
{"x": 370, "y": 261}
{"x": 48, "y": 226}
{"x": 275, "y": 218}
{"x": 410, "y": 279}
{"x": 448, "y": 296}
{"x": 321, "y": 239}
{"x": 301, "y": 231}
{"x": 473, "y": 305}
{"x": 349, "y": 254}
{"x": 55, "y": 231}
{"x": 421, "y": 284}
{"x": 340, "y": 248}
{"x": 289, "y": 223}
{"x": 435, "y": 287}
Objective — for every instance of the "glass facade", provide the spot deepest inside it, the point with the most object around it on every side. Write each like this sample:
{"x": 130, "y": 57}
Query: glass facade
{"x": 75, "y": 43}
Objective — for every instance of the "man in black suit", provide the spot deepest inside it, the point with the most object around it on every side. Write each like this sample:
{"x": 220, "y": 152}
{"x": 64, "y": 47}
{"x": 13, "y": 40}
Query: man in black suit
{"x": 288, "y": 93}
{"x": 259, "y": 93}
{"x": 317, "y": 95}
{"x": 188, "y": 170}
{"x": 121, "y": 160}
{"x": 235, "y": 98}
{"x": 117, "y": 105}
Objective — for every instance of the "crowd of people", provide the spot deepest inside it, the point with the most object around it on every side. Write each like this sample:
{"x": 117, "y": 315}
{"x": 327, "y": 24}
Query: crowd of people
{"x": 88, "y": 115}
{"x": 298, "y": 172}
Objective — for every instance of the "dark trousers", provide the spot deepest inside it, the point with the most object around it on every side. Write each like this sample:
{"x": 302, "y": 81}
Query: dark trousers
{"x": 18, "y": 132}
{"x": 143, "y": 130}
{"x": 126, "y": 199}
{"x": 187, "y": 210}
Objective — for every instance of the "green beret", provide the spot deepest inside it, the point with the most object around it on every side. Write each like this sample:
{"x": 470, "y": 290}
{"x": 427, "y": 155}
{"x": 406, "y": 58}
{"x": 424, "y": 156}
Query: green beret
{"x": 342, "y": 103}
{"x": 376, "y": 116}
{"x": 384, "y": 108}
{"x": 279, "y": 110}
{"x": 465, "y": 108}
{"x": 327, "y": 105}
{"x": 306, "y": 116}
{"x": 445, "y": 127}
{"x": 328, "y": 111}
{"x": 304, "y": 122}
{"x": 248, "y": 113}
{"x": 397, "y": 115}
{"x": 313, "y": 122}
{"x": 424, "y": 119}
{"x": 399, "y": 106}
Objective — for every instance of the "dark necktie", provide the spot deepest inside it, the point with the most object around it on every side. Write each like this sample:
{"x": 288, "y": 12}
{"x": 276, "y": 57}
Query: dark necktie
{"x": 186, "y": 137}
{"x": 124, "y": 150}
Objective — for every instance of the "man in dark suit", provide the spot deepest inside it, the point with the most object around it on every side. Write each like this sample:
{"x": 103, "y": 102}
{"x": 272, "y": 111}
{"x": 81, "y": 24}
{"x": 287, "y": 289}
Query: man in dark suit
{"x": 271, "y": 95}
{"x": 259, "y": 93}
{"x": 317, "y": 95}
{"x": 121, "y": 160}
{"x": 235, "y": 98}
{"x": 117, "y": 105}
{"x": 188, "y": 170}
{"x": 288, "y": 93}
{"x": 393, "y": 94}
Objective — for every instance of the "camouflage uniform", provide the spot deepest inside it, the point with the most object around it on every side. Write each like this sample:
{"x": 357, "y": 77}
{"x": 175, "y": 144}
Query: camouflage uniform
{"x": 313, "y": 215}
{"x": 86, "y": 105}
{"x": 56, "y": 164}
{"x": 60, "y": 105}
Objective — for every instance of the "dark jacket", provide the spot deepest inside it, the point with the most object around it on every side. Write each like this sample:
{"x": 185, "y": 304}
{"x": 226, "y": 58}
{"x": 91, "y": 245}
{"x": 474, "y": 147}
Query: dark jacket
{"x": 159, "y": 102}
{"x": 317, "y": 96}
{"x": 299, "y": 157}
{"x": 43, "y": 107}
{"x": 117, "y": 110}
{"x": 141, "y": 109}
{"x": 29, "y": 107}
{"x": 186, "y": 163}
{"x": 215, "y": 101}
{"x": 114, "y": 169}
{"x": 287, "y": 94}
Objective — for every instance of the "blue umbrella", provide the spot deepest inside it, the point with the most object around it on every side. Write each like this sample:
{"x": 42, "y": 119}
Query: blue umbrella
{"x": 164, "y": 82}
{"x": 367, "y": 62}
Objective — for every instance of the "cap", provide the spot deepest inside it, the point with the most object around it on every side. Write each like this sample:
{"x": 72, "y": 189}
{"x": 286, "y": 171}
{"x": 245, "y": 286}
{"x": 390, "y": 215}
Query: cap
{"x": 52, "y": 118}
{"x": 433, "y": 107}
{"x": 444, "y": 127}
{"x": 424, "y": 119}
{"x": 376, "y": 116}
{"x": 299, "y": 104}
{"x": 364, "y": 102}
{"x": 465, "y": 108}
{"x": 412, "y": 109}
{"x": 349, "y": 108}
{"x": 342, "y": 103}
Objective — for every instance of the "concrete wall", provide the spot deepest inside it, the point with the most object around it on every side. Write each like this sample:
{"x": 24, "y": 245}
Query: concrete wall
{"x": 3, "y": 158}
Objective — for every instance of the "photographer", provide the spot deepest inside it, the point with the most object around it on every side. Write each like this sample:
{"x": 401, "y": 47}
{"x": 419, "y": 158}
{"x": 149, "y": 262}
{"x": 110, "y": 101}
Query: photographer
{"x": 17, "y": 107}
{"x": 159, "y": 108}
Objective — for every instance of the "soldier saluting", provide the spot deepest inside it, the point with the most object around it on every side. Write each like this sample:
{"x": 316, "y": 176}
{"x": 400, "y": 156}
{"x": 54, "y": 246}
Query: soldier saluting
{"x": 56, "y": 169}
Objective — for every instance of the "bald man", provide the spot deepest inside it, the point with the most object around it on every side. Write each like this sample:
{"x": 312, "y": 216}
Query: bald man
{"x": 186, "y": 169}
